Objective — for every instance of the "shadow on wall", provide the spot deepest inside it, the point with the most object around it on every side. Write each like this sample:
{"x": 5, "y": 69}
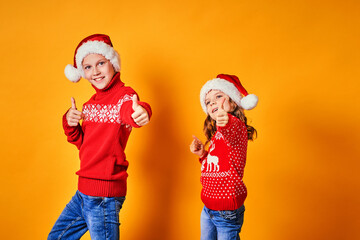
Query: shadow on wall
{"x": 324, "y": 190}
{"x": 160, "y": 155}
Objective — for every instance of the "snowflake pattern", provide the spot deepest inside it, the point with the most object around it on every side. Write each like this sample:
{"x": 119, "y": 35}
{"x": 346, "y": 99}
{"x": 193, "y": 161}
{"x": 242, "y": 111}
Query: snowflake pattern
{"x": 105, "y": 113}
{"x": 218, "y": 136}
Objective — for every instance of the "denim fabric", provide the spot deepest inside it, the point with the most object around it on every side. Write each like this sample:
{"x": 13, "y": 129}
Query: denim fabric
{"x": 221, "y": 225}
{"x": 99, "y": 215}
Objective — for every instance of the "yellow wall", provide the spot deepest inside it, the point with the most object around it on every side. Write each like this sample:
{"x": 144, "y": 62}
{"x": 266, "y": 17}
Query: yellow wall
{"x": 300, "y": 57}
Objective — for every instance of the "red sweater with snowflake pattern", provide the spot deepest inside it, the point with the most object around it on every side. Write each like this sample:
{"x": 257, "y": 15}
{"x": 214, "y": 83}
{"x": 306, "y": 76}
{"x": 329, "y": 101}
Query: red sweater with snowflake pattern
{"x": 222, "y": 167}
{"x": 101, "y": 139}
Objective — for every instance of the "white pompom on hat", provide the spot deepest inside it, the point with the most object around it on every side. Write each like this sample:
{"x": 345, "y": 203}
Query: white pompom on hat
{"x": 96, "y": 43}
{"x": 231, "y": 86}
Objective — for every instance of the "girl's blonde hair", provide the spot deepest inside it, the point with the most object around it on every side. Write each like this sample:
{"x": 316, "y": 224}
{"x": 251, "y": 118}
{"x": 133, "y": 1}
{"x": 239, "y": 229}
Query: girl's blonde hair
{"x": 210, "y": 124}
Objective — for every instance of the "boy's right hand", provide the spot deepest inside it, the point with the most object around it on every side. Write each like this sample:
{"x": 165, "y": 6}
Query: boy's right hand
{"x": 197, "y": 147}
{"x": 73, "y": 116}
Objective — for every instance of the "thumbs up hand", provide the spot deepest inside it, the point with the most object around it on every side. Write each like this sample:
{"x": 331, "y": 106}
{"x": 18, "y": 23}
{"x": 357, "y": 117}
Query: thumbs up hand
{"x": 140, "y": 115}
{"x": 197, "y": 147}
{"x": 222, "y": 117}
{"x": 73, "y": 116}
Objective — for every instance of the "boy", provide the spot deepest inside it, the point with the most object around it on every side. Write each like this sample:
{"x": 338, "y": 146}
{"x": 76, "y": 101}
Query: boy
{"x": 108, "y": 118}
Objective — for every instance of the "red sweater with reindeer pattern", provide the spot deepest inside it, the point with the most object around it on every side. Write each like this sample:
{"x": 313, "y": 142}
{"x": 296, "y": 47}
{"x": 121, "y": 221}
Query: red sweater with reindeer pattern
{"x": 222, "y": 167}
{"x": 101, "y": 139}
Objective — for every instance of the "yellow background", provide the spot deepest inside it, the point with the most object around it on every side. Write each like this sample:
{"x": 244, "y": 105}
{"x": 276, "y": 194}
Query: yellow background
{"x": 300, "y": 57}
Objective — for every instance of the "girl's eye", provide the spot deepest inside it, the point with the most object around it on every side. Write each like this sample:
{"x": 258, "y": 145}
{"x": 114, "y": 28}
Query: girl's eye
{"x": 207, "y": 103}
{"x": 101, "y": 63}
{"x": 219, "y": 96}
{"x": 87, "y": 67}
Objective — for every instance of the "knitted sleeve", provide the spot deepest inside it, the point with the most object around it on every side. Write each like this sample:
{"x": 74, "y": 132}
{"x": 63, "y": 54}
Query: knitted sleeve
{"x": 126, "y": 110}
{"x": 201, "y": 159}
{"x": 74, "y": 134}
{"x": 231, "y": 131}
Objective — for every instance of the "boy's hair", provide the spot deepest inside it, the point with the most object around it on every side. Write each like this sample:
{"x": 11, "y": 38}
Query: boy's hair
{"x": 210, "y": 124}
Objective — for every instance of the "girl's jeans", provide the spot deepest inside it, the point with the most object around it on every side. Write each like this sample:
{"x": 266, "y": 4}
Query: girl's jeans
{"x": 221, "y": 225}
{"x": 99, "y": 215}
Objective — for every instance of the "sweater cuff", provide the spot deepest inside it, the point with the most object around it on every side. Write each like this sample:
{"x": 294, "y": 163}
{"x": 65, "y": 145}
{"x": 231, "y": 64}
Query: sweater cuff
{"x": 66, "y": 126}
{"x": 228, "y": 123}
{"x": 147, "y": 107}
{"x": 201, "y": 159}
{"x": 64, "y": 122}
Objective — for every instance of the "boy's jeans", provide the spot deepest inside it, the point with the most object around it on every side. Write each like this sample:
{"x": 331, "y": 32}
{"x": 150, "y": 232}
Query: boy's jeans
{"x": 221, "y": 225}
{"x": 99, "y": 215}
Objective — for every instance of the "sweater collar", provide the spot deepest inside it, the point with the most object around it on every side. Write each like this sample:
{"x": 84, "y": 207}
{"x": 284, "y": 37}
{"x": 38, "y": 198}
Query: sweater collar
{"x": 113, "y": 85}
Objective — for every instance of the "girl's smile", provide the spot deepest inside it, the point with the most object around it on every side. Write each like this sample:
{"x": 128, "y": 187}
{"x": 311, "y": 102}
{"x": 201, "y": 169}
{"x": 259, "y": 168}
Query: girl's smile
{"x": 213, "y": 100}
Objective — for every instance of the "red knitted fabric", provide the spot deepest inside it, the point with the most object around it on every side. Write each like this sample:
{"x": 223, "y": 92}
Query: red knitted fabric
{"x": 102, "y": 139}
{"x": 222, "y": 167}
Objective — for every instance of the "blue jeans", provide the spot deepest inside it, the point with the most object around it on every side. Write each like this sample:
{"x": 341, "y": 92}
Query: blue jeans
{"x": 99, "y": 215}
{"x": 221, "y": 225}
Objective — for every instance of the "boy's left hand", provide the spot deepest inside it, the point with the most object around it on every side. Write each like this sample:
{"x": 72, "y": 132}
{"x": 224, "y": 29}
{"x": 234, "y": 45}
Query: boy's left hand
{"x": 222, "y": 117}
{"x": 140, "y": 115}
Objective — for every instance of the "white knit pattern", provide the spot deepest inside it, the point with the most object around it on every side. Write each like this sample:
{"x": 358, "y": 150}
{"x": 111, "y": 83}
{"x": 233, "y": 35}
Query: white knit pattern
{"x": 105, "y": 113}
{"x": 227, "y": 183}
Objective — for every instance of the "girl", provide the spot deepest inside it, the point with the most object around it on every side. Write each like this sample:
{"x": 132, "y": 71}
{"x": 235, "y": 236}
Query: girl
{"x": 222, "y": 166}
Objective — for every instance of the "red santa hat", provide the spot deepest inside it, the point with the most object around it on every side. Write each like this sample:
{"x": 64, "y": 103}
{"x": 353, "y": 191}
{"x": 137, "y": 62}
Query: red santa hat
{"x": 231, "y": 86}
{"x": 97, "y": 43}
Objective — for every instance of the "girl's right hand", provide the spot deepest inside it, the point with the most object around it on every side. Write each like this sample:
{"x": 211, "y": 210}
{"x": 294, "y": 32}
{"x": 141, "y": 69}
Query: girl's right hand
{"x": 222, "y": 117}
{"x": 73, "y": 116}
{"x": 197, "y": 147}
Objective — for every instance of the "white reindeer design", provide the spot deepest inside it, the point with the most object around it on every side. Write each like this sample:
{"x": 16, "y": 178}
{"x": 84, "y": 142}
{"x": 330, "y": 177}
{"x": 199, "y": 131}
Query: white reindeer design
{"x": 212, "y": 160}
{"x": 203, "y": 165}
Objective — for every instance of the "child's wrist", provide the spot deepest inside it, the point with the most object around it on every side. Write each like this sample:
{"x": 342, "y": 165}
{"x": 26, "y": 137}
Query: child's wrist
{"x": 203, "y": 154}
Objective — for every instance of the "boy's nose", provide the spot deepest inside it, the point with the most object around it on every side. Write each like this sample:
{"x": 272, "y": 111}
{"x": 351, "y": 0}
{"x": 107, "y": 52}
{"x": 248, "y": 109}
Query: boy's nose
{"x": 96, "y": 71}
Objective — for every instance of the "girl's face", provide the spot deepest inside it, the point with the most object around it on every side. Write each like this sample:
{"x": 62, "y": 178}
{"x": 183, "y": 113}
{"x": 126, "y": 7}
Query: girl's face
{"x": 213, "y": 100}
{"x": 98, "y": 70}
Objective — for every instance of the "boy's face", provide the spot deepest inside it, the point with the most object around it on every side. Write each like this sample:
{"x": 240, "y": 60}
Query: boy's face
{"x": 98, "y": 70}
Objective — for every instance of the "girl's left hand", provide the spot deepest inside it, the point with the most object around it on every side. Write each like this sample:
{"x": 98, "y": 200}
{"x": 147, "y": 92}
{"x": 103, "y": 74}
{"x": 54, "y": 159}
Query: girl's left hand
{"x": 140, "y": 115}
{"x": 222, "y": 117}
{"x": 197, "y": 147}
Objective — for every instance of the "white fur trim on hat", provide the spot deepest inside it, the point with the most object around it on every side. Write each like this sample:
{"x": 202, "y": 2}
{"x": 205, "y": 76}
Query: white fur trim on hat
{"x": 223, "y": 85}
{"x": 249, "y": 102}
{"x": 72, "y": 73}
{"x": 98, "y": 47}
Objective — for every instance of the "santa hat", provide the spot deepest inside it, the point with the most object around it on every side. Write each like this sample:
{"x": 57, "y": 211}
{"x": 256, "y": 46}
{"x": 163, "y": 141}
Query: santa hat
{"x": 97, "y": 43}
{"x": 231, "y": 86}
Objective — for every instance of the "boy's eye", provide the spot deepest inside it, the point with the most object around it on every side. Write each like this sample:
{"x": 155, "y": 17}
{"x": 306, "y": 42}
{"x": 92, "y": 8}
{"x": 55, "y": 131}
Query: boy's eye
{"x": 219, "y": 96}
{"x": 102, "y": 63}
{"x": 87, "y": 67}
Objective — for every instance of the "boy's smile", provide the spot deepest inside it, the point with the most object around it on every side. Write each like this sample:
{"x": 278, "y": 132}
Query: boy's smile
{"x": 98, "y": 70}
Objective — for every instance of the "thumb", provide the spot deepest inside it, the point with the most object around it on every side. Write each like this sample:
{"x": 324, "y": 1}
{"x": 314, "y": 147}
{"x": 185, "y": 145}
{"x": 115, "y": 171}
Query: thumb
{"x": 195, "y": 138}
{"x": 73, "y": 104}
{"x": 135, "y": 102}
{"x": 221, "y": 104}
